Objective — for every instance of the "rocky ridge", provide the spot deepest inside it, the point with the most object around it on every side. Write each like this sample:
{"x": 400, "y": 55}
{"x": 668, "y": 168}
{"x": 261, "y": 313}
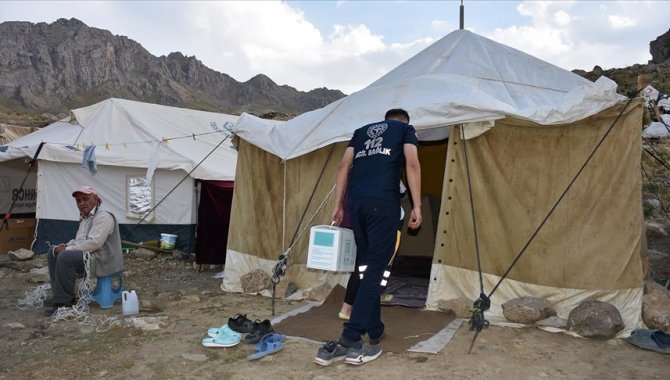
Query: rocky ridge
{"x": 67, "y": 64}
{"x": 656, "y": 71}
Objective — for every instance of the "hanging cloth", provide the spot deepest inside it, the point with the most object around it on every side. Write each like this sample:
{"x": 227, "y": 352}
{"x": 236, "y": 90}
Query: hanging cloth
{"x": 153, "y": 162}
{"x": 88, "y": 159}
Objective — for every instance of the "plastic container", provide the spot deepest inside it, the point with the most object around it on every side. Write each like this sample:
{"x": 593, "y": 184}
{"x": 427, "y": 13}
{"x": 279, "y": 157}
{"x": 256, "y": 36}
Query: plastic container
{"x": 331, "y": 248}
{"x": 168, "y": 241}
{"x": 130, "y": 303}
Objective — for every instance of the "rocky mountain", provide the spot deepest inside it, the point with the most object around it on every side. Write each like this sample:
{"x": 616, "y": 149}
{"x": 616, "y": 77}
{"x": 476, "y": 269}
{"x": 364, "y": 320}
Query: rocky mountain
{"x": 51, "y": 68}
{"x": 67, "y": 64}
{"x": 656, "y": 71}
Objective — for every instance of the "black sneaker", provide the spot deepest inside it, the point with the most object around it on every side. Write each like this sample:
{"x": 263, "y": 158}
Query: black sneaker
{"x": 51, "y": 303}
{"x": 258, "y": 331}
{"x": 241, "y": 324}
{"x": 329, "y": 353}
{"x": 367, "y": 353}
{"x": 51, "y": 310}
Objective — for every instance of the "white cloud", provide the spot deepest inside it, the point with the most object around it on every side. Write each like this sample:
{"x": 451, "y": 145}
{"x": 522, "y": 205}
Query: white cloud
{"x": 243, "y": 39}
{"x": 282, "y": 44}
{"x": 620, "y": 22}
{"x": 440, "y": 26}
{"x": 354, "y": 40}
{"x": 562, "y": 18}
{"x": 582, "y": 34}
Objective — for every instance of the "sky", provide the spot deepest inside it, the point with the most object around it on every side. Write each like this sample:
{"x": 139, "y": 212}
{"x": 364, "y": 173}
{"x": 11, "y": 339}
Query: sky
{"x": 347, "y": 45}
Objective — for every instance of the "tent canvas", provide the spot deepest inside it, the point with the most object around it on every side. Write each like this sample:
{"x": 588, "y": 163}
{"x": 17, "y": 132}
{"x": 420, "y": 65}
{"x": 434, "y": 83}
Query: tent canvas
{"x": 528, "y": 127}
{"x": 12, "y": 132}
{"x": 129, "y": 137}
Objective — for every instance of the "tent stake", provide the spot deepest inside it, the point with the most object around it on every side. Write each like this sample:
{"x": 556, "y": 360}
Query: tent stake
{"x": 472, "y": 343}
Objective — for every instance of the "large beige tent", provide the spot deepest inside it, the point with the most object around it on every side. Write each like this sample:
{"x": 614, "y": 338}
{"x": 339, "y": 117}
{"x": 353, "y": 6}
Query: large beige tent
{"x": 528, "y": 126}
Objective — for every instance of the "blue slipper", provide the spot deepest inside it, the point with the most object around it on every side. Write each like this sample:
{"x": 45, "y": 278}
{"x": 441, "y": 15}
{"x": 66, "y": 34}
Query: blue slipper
{"x": 214, "y": 331}
{"x": 224, "y": 338}
{"x": 269, "y": 344}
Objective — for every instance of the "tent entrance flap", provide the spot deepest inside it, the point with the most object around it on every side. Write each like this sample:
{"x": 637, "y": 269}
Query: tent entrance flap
{"x": 415, "y": 254}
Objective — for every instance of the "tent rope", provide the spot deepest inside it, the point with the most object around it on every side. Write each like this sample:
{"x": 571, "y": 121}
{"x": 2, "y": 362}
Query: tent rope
{"x": 177, "y": 185}
{"x": 76, "y": 146}
{"x": 8, "y": 214}
{"x": 558, "y": 201}
{"x": 80, "y": 311}
{"x": 477, "y": 321}
{"x": 282, "y": 264}
{"x": 323, "y": 170}
{"x": 656, "y": 155}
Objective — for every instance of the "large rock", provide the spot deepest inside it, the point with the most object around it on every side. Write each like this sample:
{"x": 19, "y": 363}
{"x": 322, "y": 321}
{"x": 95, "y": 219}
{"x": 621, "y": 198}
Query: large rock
{"x": 255, "y": 281}
{"x": 555, "y": 322}
{"x": 659, "y": 264}
{"x": 595, "y": 319}
{"x": 660, "y": 48}
{"x": 320, "y": 292}
{"x": 656, "y": 311}
{"x": 285, "y": 288}
{"x": 655, "y": 230}
{"x": 461, "y": 306}
{"x": 144, "y": 253}
{"x": 652, "y": 286}
{"x": 21, "y": 254}
{"x": 527, "y": 310}
{"x": 653, "y": 203}
{"x": 39, "y": 275}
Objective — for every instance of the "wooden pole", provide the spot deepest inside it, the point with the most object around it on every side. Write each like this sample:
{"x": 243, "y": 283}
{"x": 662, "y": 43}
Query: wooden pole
{"x": 641, "y": 79}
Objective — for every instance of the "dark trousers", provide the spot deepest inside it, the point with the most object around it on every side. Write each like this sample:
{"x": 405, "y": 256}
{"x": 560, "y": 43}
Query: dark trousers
{"x": 352, "y": 284}
{"x": 64, "y": 270}
{"x": 355, "y": 277}
{"x": 374, "y": 223}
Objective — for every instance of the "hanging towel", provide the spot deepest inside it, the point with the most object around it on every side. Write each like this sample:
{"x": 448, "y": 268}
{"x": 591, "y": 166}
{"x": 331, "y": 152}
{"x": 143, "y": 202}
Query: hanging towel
{"x": 88, "y": 160}
{"x": 153, "y": 162}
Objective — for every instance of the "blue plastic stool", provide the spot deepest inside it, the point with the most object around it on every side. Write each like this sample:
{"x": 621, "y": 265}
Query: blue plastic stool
{"x": 105, "y": 294}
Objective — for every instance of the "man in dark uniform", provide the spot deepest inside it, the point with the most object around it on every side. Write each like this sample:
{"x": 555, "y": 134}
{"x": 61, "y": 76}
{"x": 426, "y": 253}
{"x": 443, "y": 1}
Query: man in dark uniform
{"x": 371, "y": 167}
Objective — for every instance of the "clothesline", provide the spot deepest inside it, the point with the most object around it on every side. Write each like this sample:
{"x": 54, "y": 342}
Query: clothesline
{"x": 107, "y": 145}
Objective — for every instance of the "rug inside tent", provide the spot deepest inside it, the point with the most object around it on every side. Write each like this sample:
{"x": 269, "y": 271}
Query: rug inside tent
{"x": 405, "y": 327}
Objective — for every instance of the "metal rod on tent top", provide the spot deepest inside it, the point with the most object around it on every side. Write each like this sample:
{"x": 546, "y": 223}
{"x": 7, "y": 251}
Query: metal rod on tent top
{"x": 462, "y": 23}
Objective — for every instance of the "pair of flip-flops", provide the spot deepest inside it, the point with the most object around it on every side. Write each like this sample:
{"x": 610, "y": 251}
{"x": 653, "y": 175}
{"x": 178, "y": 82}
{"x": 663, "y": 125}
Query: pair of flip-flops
{"x": 222, "y": 336}
{"x": 269, "y": 344}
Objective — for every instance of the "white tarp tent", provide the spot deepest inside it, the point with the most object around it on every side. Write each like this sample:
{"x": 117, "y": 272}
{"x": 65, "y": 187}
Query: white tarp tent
{"x": 528, "y": 125}
{"x": 658, "y": 129}
{"x": 130, "y": 138}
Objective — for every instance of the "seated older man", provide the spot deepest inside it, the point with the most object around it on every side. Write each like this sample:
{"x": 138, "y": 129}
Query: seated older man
{"x": 98, "y": 234}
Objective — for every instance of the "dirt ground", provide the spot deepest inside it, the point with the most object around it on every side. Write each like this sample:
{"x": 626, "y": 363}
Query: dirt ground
{"x": 188, "y": 301}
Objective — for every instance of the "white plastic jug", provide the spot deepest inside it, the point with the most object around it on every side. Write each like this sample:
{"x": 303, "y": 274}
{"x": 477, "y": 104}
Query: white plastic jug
{"x": 130, "y": 304}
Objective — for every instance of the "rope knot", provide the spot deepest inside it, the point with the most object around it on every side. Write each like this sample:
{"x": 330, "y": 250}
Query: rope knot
{"x": 477, "y": 321}
{"x": 280, "y": 268}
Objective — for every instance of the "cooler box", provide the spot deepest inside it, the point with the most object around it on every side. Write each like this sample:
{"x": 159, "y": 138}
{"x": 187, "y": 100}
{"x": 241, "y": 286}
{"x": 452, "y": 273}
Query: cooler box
{"x": 331, "y": 248}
